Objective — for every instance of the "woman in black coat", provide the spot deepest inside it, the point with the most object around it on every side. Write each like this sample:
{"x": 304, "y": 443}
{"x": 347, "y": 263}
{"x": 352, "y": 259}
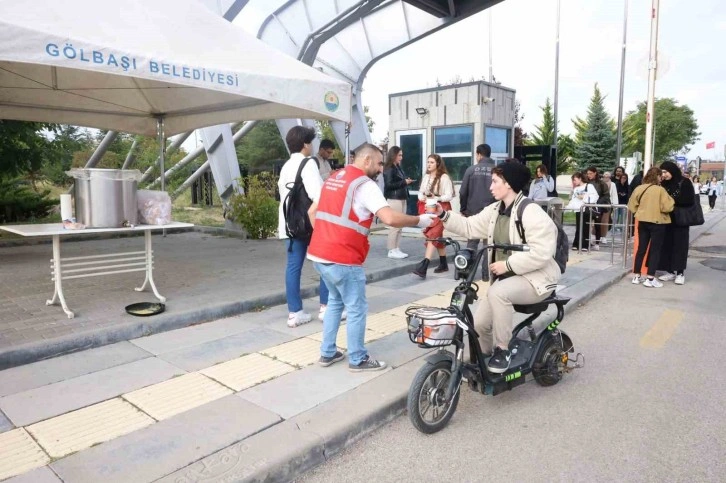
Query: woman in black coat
{"x": 675, "y": 246}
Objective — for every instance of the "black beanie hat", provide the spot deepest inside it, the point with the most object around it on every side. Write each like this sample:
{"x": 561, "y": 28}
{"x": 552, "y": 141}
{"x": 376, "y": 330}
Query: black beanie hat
{"x": 516, "y": 174}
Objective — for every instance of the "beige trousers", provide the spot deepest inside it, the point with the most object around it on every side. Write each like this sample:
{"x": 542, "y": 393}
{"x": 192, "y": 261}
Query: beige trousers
{"x": 494, "y": 315}
{"x": 394, "y": 234}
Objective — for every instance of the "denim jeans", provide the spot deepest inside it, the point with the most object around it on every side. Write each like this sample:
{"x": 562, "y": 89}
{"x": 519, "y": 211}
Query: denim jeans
{"x": 293, "y": 272}
{"x": 347, "y": 285}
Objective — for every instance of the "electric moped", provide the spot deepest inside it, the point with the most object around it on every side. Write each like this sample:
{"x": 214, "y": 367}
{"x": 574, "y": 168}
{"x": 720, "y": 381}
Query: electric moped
{"x": 434, "y": 393}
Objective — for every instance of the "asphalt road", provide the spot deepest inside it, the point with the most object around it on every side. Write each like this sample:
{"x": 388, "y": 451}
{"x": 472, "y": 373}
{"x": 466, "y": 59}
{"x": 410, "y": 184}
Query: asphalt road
{"x": 648, "y": 406}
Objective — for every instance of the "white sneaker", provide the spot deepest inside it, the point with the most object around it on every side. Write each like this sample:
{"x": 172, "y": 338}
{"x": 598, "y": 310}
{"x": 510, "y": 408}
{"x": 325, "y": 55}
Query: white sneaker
{"x": 680, "y": 279}
{"x": 637, "y": 280}
{"x": 395, "y": 254}
{"x": 595, "y": 247}
{"x": 652, "y": 283}
{"x": 296, "y": 319}
{"x": 323, "y": 308}
{"x": 667, "y": 277}
{"x": 404, "y": 255}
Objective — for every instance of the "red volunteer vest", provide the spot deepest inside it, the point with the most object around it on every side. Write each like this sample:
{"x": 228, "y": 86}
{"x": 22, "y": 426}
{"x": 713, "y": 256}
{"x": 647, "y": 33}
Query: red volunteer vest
{"x": 339, "y": 235}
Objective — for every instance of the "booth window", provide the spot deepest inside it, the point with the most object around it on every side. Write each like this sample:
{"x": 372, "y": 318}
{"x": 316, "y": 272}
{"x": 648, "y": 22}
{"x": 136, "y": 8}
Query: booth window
{"x": 455, "y": 146}
{"x": 499, "y": 139}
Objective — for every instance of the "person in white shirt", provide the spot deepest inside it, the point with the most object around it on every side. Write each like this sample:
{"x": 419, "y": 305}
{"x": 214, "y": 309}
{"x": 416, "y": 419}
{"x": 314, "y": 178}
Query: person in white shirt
{"x": 608, "y": 179}
{"x": 299, "y": 141}
{"x": 582, "y": 193}
{"x": 436, "y": 185}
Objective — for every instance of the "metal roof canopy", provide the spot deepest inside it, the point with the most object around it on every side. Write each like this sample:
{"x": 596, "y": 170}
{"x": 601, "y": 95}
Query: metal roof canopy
{"x": 344, "y": 38}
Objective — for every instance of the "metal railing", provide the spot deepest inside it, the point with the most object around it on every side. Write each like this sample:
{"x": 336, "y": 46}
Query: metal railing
{"x": 621, "y": 222}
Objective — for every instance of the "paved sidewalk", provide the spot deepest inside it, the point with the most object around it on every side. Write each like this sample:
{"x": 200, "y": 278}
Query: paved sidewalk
{"x": 236, "y": 399}
{"x": 204, "y": 277}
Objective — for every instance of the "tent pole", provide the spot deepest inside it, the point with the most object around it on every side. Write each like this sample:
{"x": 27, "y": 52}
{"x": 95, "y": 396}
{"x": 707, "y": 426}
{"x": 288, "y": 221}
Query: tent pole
{"x": 160, "y": 129}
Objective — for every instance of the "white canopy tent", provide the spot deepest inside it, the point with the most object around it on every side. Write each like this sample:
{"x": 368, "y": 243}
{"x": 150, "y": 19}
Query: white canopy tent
{"x": 125, "y": 65}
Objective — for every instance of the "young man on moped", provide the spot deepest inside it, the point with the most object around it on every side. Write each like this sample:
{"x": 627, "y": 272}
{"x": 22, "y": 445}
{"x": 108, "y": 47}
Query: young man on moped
{"x": 519, "y": 278}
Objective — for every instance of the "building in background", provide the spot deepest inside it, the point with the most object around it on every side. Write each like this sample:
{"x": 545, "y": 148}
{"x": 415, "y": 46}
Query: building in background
{"x": 450, "y": 121}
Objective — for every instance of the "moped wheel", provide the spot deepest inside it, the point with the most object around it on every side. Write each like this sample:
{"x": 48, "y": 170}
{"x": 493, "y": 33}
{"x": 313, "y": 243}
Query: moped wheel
{"x": 427, "y": 408}
{"x": 551, "y": 363}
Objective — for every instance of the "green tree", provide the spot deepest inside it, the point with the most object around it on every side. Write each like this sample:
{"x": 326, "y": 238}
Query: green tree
{"x": 520, "y": 137}
{"x": 24, "y": 147}
{"x": 676, "y": 128}
{"x": 261, "y": 146}
{"x": 597, "y": 146}
{"x": 67, "y": 141}
{"x": 544, "y": 135}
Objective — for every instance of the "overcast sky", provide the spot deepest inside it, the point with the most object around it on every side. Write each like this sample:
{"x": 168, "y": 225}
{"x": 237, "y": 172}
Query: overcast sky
{"x": 691, "y": 42}
{"x": 692, "y": 39}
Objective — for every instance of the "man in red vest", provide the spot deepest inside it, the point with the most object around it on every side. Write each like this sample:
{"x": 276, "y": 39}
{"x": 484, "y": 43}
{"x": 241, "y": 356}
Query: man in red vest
{"x": 342, "y": 218}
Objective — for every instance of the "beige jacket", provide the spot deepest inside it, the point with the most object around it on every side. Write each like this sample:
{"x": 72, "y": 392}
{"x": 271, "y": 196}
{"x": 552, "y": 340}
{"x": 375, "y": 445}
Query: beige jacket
{"x": 652, "y": 205}
{"x": 537, "y": 265}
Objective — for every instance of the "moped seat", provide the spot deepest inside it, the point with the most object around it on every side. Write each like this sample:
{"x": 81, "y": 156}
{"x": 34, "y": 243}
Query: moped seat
{"x": 541, "y": 306}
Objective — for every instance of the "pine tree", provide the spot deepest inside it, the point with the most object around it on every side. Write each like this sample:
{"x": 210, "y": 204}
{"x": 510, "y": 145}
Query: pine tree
{"x": 544, "y": 134}
{"x": 597, "y": 146}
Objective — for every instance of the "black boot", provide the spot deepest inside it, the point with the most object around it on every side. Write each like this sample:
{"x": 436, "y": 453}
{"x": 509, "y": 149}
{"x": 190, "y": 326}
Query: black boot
{"x": 422, "y": 268}
{"x": 443, "y": 265}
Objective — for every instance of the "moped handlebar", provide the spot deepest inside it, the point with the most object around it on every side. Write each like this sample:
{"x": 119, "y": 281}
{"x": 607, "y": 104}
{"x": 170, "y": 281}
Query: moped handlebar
{"x": 448, "y": 241}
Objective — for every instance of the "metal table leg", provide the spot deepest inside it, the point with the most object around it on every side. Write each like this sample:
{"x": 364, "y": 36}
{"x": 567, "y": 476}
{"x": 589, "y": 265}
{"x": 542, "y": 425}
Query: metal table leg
{"x": 57, "y": 278}
{"x": 149, "y": 280}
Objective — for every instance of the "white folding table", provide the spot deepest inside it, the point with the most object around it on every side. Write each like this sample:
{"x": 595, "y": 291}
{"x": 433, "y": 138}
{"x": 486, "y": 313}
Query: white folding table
{"x": 95, "y": 265}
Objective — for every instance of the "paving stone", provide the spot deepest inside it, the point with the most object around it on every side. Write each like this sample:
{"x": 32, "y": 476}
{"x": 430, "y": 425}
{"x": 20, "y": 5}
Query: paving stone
{"x": 85, "y": 427}
{"x": 39, "y": 475}
{"x": 5, "y": 424}
{"x": 61, "y": 397}
{"x": 210, "y": 353}
{"x": 190, "y": 336}
{"x": 247, "y": 371}
{"x": 23, "y": 378}
{"x": 299, "y": 352}
{"x": 294, "y": 452}
{"x": 167, "y": 446}
{"x": 301, "y": 390}
{"x": 19, "y": 453}
{"x": 396, "y": 349}
{"x": 385, "y": 323}
{"x": 169, "y": 398}
{"x": 390, "y": 300}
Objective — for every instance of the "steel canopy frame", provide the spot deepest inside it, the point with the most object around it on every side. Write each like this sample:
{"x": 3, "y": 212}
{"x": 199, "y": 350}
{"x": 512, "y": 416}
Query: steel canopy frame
{"x": 334, "y": 36}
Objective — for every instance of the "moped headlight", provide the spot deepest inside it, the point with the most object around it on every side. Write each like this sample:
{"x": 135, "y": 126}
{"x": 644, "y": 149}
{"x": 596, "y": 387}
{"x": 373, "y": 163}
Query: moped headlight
{"x": 461, "y": 262}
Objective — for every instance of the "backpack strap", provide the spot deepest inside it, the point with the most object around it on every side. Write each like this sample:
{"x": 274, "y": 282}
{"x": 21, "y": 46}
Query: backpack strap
{"x": 298, "y": 177}
{"x": 518, "y": 222}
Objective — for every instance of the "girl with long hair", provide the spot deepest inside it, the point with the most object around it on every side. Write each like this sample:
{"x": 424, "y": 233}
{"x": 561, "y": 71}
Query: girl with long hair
{"x": 396, "y": 192}
{"x": 436, "y": 185}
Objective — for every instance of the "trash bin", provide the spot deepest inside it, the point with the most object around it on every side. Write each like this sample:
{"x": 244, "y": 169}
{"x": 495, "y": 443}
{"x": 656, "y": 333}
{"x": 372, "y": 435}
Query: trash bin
{"x": 554, "y": 206}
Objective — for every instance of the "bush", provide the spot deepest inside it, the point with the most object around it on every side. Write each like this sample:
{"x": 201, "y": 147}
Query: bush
{"x": 18, "y": 201}
{"x": 257, "y": 209}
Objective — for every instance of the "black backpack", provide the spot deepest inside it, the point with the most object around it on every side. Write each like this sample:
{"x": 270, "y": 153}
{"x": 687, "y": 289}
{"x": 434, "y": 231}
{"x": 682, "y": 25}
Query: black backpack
{"x": 295, "y": 208}
{"x": 562, "y": 251}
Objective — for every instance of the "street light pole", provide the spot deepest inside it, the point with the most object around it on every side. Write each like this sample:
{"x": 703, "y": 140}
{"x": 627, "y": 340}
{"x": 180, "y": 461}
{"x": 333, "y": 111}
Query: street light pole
{"x": 491, "y": 70}
{"x": 557, "y": 76}
{"x": 618, "y": 151}
{"x": 652, "y": 70}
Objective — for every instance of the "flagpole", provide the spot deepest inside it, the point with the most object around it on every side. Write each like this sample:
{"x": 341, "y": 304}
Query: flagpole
{"x": 557, "y": 86}
{"x": 652, "y": 69}
{"x": 619, "y": 147}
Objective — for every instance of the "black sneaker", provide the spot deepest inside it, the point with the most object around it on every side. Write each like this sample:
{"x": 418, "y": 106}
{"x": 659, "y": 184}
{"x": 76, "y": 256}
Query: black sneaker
{"x": 328, "y": 361}
{"x": 368, "y": 365}
{"x": 499, "y": 362}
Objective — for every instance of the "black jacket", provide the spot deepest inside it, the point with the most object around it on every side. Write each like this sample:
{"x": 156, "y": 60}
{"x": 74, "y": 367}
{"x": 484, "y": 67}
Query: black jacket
{"x": 395, "y": 184}
{"x": 623, "y": 193}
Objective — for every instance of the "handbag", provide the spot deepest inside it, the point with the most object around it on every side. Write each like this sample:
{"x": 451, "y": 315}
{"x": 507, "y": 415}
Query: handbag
{"x": 688, "y": 215}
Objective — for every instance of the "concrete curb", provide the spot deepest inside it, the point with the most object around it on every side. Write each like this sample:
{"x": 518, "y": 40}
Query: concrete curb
{"x": 36, "y": 351}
